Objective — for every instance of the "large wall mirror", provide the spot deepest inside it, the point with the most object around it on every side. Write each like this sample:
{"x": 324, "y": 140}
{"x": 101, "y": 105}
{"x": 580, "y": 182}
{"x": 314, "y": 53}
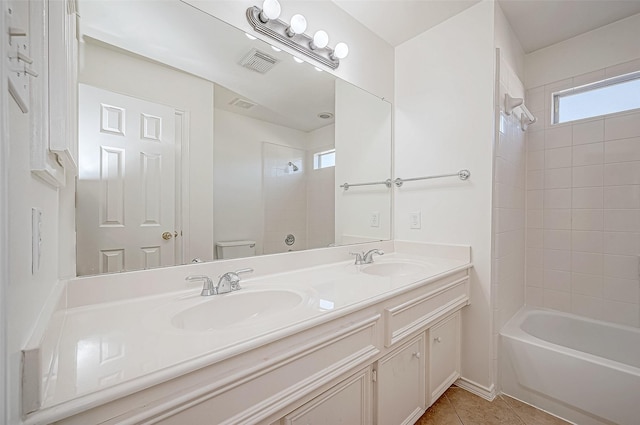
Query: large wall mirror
{"x": 197, "y": 142}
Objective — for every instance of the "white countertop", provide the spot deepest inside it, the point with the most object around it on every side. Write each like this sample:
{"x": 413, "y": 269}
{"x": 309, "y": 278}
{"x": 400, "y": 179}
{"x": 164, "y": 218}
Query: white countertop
{"x": 111, "y": 349}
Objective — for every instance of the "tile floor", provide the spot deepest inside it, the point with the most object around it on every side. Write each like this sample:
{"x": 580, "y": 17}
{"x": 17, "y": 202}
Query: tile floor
{"x": 460, "y": 407}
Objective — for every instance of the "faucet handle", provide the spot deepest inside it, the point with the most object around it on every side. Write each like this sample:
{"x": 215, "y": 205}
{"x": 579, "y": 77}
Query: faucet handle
{"x": 235, "y": 282}
{"x": 207, "y": 288}
{"x": 359, "y": 257}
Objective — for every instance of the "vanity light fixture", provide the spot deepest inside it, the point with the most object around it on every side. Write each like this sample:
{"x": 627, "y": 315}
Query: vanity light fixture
{"x": 265, "y": 21}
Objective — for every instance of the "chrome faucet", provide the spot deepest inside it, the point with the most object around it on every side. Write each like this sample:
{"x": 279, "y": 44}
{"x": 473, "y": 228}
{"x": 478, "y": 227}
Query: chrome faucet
{"x": 230, "y": 281}
{"x": 207, "y": 288}
{"x": 366, "y": 257}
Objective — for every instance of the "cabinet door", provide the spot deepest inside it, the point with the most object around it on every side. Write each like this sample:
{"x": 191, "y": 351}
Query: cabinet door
{"x": 400, "y": 387}
{"x": 444, "y": 355}
{"x": 348, "y": 403}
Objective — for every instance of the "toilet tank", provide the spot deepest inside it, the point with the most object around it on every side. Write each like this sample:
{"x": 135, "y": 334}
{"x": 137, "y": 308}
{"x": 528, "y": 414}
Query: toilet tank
{"x": 235, "y": 249}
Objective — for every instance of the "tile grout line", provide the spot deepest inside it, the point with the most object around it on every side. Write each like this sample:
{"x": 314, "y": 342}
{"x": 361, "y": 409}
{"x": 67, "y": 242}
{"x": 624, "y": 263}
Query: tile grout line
{"x": 454, "y": 409}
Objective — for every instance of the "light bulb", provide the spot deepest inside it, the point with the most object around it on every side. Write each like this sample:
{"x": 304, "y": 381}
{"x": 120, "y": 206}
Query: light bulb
{"x": 298, "y": 25}
{"x": 320, "y": 40}
{"x": 341, "y": 51}
{"x": 270, "y": 10}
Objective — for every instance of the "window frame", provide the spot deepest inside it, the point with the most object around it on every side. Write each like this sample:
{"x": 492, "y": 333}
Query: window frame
{"x": 317, "y": 158}
{"x": 620, "y": 79}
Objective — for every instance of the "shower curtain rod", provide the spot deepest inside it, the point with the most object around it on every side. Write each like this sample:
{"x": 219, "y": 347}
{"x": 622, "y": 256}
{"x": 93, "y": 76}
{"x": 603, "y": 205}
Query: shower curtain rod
{"x": 526, "y": 118}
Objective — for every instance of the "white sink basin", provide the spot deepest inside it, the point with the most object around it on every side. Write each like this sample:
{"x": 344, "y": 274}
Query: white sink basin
{"x": 237, "y": 308}
{"x": 393, "y": 269}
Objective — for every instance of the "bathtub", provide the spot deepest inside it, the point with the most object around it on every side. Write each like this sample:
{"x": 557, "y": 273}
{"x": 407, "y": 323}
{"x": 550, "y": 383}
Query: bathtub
{"x": 586, "y": 371}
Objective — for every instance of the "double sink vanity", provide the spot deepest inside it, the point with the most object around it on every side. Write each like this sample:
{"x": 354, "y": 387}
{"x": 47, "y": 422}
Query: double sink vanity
{"x": 324, "y": 341}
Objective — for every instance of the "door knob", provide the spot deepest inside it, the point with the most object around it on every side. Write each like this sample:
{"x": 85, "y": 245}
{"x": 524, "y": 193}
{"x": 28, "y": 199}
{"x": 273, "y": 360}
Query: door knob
{"x": 166, "y": 236}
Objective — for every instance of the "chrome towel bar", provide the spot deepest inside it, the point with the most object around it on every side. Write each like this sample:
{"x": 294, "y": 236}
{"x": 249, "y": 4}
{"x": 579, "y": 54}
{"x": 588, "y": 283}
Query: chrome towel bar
{"x": 346, "y": 186}
{"x": 462, "y": 174}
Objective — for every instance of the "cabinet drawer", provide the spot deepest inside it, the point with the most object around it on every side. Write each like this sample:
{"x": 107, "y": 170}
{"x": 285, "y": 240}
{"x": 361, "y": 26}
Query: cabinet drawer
{"x": 420, "y": 310}
{"x": 347, "y": 403}
{"x": 444, "y": 355}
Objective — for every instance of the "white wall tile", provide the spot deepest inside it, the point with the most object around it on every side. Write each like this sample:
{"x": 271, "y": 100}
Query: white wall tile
{"x": 535, "y": 99}
{"x": 557, "y": 260}
{"x": 557, "y": 198}
{"x": 622, "y": 220}
{"x": 557, "y": 239}
{"x": 587, "y": 284}
{"x": 622, "y": 313}
{"x": 586, "y": 241}
{"x": 557, "y": 158}
{"x": 586, "y": 197}
{"x": 557, "y": 178}
{"x": 535, "y": 296}
{"x": 557, "y": 137}
{"x": 586, "y": 306}
{"x": 622, "y": 150}
{"x": 587, "y": 176}
{"x": 622, "y": 126}
{"x": 588, "y": 132}
{"x": 625, "y": 290}
{"x": 534, "y": 218}
{"x": 535, "y": 277}
{"x": 587, "y": 219}
{"x": 622, "y": 196}
{"x": 535, "y": 140}
{"x": 622, "y": 243}
{"x": 622, "y": 266}
{"x": 557, "y": 219}
{"x": 557, "y": 300}
{"x": 557, "y": 280}
{"x": 622, "y": 173}
{"x": 535, "y": 199}
{"x": 535, "y": 179}
{"x": 587, "y": 262}
{"x": 589, "y": 154}
{"x": 535, "y": 160}
{"x": 534, "y": 238}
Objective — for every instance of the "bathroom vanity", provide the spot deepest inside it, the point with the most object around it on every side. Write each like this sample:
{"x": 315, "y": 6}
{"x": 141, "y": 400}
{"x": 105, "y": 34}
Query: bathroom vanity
{"x": 325, "y": 342}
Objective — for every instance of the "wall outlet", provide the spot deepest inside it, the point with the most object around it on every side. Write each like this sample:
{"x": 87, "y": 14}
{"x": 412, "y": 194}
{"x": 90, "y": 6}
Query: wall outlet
{"x": 414, "y": 220}
{"x": 374, "y": 219}
{"x": 36, "y": 239}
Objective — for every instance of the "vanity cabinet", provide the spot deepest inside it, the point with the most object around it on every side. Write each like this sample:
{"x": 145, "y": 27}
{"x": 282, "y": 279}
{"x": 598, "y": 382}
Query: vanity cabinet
{"x": 444, "y": 355}
{"x": 400, "y": 384}
{"x": 347, "y": 403}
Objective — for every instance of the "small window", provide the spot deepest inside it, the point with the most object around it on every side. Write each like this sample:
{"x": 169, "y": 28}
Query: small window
{"x": 324, "y": 159}
{"x": 604, "y": 97}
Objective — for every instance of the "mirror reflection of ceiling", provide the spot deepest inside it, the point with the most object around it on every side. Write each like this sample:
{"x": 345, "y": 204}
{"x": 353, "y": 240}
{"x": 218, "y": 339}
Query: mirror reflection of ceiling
{"x": 141, "y": 28}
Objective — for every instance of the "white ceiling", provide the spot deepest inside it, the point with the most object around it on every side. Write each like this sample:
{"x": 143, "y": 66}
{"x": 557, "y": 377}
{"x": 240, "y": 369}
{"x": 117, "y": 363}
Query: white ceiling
{"x": 537, "y": 23}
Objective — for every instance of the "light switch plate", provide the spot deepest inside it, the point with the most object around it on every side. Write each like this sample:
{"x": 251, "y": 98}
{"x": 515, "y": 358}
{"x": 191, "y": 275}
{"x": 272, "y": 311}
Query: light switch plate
{"x": 415, "y": 221}
{"x": 374, "y": 219}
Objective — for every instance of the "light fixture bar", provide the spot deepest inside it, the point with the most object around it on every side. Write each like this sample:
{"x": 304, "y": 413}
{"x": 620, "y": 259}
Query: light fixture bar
{"x": 277, "y": 29}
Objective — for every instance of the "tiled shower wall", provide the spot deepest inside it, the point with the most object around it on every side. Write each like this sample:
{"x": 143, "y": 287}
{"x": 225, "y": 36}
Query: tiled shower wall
{"x": 508, "y": 207}
{"x": 583, "y": 209}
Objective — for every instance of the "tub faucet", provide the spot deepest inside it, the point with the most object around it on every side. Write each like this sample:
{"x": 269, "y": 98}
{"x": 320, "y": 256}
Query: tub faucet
{"x": 207, "y": 288}
{"x": 367, "y": 258}
{"x": 358, "y": 257}
{"x": 230, "y": 281}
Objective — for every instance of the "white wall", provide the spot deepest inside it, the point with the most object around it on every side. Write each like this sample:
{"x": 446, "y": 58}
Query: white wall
{"x": 321, "y": 186}
{"x": 131, "y": 75}
{"x": 604, "y": 47}
{"x": 363, "y": 130}
{"x": 444, "y": 123}
{"x": 370, "y": 61}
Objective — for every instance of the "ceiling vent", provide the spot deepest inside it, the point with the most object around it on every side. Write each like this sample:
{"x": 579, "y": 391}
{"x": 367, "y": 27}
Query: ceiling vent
{"x": 258, "y": 61}
{"x": 242, "y": 103}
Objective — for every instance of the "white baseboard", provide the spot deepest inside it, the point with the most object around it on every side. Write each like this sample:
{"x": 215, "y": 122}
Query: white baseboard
{"x": 477, "y": 389}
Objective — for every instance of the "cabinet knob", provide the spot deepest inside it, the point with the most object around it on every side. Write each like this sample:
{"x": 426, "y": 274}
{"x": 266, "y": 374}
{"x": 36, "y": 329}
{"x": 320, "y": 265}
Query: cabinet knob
{"x": 437, "y": 339}
{"x": 416, "y": 355}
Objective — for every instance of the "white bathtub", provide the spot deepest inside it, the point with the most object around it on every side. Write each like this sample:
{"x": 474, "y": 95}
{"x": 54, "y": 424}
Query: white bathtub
{"x": 586, "y": 371}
